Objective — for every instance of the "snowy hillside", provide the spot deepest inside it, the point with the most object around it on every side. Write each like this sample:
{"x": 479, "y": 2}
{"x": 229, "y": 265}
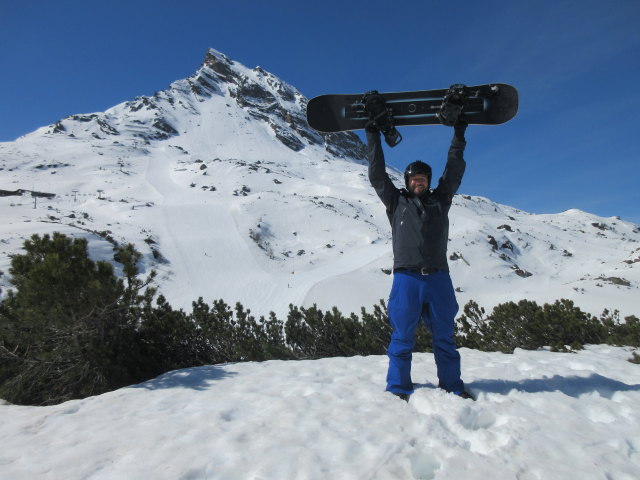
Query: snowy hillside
{"x": 539, "y": 415}
{"x": 227, "y": 192}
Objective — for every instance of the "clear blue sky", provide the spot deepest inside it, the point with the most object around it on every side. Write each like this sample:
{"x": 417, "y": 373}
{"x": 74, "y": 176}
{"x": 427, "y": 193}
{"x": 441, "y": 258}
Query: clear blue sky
{"x": 576, "y": 65}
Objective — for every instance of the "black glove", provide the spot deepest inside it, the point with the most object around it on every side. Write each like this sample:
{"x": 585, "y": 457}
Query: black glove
{"x": 379, "y": 118}
{"x": 452, "y": 105}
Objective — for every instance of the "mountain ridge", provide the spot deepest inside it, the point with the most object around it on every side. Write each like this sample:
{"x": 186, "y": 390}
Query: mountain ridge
{"x": 227, "y": 192}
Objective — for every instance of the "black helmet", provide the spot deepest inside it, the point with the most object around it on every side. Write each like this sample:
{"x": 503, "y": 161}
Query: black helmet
{"x": 417, "y": 168}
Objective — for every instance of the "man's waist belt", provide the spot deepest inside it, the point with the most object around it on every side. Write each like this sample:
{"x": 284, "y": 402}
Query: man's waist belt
{"x": 421, "y": 271}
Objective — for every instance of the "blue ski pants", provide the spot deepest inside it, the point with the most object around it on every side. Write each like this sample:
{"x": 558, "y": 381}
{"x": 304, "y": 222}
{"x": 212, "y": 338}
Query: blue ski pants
{"x": 431, "y": 298}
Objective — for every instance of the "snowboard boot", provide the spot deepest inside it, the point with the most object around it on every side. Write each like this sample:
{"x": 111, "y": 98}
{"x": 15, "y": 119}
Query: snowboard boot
{"x": 466, "y": 395}
{"x": 402, "y": 396}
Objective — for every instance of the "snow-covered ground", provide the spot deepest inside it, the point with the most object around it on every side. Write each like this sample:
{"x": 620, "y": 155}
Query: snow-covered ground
{"x": 539, "y": 415}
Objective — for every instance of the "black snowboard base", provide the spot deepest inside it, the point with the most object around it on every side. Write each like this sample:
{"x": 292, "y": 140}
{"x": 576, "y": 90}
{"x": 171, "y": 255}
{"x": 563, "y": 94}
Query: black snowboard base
{"x": 489, "y": 104}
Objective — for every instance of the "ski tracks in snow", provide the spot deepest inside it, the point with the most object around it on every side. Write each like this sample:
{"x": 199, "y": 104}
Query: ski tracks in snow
{"x": 203, "y": 244}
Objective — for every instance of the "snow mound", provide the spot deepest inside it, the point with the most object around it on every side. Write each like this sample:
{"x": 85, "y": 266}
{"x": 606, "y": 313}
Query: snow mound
{"x": 539, "y": 415}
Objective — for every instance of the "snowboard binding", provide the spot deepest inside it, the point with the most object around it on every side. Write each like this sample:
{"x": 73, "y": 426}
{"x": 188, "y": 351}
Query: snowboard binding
{"x": 453, "y": 103}
{"x": 380, "y": 117}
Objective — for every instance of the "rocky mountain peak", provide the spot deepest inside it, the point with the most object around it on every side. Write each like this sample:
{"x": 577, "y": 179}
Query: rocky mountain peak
{"x": 268, "y": 98}
{"x": 255, "y": 92}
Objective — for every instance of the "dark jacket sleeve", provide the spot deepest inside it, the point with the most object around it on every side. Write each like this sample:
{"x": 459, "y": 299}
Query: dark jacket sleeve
{"x": 454, "y": 170}
{"x": 378, "y": 176}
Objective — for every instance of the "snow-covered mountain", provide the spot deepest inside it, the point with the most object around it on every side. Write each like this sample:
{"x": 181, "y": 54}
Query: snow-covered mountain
{"x": 228, "y": 193}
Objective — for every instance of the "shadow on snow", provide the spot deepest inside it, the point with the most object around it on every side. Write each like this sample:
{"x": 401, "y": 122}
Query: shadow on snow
{"x": 196, "y": 378}
{"x": 573, "y": 386}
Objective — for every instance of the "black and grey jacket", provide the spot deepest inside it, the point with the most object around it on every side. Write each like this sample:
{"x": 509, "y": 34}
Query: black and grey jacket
{"x": 419, "y": 226}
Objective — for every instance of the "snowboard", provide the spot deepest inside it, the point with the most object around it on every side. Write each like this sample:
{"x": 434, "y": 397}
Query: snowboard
{"x": 489, "y": 104}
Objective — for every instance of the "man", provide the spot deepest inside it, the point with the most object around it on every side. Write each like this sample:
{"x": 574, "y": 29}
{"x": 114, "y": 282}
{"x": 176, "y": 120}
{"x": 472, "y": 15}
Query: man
{"x": 422, "y": 287}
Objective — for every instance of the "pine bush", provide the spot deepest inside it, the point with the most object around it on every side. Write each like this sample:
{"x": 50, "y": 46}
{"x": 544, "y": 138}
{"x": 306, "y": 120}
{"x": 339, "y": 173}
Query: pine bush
{"x": 64, "y": 332}
{"x": 70, "y": 328}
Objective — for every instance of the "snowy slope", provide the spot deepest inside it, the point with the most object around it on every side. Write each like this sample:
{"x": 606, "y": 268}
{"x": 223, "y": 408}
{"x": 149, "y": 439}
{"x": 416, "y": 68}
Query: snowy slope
{"x": 539, "y": 416}
{"x": 227, "y": 192}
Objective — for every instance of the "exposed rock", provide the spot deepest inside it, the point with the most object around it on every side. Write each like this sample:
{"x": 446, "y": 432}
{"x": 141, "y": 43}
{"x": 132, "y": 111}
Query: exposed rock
{"x": 616, "y": 281}
{"x": 165, "y": 128}
{"x": 221, "y": 65}
{"x": 520, "y": 272}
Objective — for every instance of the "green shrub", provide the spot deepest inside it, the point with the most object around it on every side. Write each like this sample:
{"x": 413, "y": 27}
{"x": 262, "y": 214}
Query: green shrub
{"x": 617, "y": 332}
{"x": 65, "y": 331}
{"x": 560, "y": 325}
